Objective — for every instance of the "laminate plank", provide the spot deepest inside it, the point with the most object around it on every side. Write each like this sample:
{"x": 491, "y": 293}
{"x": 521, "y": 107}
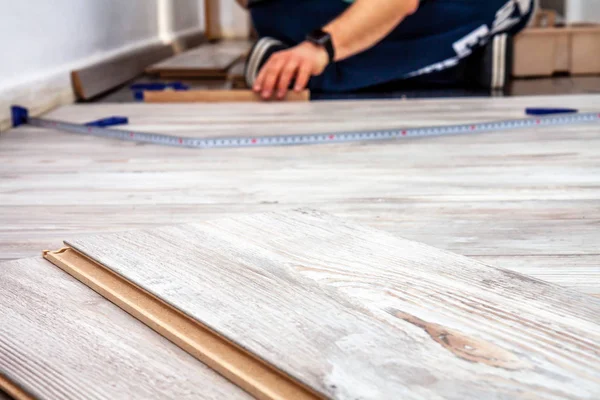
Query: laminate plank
{"x": 527, "y": 196}
{"x": 355, "y": 312}
{"x": 575, "y": 271}
{"x": 233, "y": 362}
{"x": 59, "y": 339}
{"x": 202, "y": 61}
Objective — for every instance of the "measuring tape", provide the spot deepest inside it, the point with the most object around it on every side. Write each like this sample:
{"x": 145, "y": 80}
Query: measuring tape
{"x": 20, "y": 116}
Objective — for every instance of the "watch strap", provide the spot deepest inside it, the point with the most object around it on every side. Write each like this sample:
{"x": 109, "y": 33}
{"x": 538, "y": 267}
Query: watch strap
{"x": 322, "y": 39}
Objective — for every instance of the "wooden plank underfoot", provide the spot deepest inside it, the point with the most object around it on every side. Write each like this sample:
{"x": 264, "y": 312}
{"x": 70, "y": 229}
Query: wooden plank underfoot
{"x": 215, "y": 96}
{"x": 234, "y": 363}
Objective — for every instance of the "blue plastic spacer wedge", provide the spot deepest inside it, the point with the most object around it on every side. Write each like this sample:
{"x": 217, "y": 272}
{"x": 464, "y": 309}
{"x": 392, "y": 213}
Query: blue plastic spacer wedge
{"x": 110, "y": 121}
{"x": 549, "y": 111}
{"x": 139, "y": 88}
{"x": 155, "y": 86}
{"x": 20, "y": 115}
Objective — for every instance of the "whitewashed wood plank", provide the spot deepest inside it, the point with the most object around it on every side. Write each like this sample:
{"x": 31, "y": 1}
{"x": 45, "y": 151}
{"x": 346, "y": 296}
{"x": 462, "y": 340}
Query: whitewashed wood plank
{"x": 357, "y": 313}
{"x": 61, "y": 340}
{"x": 205, "y": 59}
{"x": 580, "y": 272}
{"x": 531, "y": 193}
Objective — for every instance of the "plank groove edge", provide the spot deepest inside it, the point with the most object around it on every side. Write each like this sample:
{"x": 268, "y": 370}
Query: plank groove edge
{"x": 13, "y": 390}
{"x": 234, "y": 363}
{"x": 215, "y": 96}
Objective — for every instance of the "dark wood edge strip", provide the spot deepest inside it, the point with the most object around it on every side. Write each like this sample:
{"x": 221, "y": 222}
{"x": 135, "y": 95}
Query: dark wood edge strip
{"x": 13, "y": 390}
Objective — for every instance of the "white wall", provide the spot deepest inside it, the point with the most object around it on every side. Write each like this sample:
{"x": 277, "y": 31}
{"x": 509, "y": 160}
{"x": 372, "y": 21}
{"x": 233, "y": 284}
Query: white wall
{"x": 583, "y": 10}
{"x": 235, "y": 21}
{"x": 177, "y": 17}
{"x": 42, "y": 41}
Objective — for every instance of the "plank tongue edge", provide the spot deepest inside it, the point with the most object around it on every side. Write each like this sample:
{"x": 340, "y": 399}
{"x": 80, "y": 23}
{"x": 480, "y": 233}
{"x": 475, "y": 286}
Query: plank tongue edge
{"x": 234, "y": 363}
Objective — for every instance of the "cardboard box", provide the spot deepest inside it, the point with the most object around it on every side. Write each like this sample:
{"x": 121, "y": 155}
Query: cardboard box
{"x": 546, "y": 51}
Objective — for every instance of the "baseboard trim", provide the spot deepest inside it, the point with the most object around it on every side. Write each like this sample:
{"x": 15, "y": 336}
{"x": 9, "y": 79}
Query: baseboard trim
{"x": 187, "y": 39}
{"x": 101, "y": 77}
{"x": 57, "y": 87}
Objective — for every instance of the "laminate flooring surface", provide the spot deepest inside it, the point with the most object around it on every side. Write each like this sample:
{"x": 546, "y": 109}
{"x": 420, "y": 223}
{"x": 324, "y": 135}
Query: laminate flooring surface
{"x": 355, "y": 312}
{"x": 205, "y": 59}
{"x": 528, "y": 200}
{"x": 61, "y": 340}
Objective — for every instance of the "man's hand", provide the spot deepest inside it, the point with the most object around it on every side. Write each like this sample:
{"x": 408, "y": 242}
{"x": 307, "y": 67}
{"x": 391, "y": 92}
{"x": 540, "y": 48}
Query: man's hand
{"x": 298, "y": 63}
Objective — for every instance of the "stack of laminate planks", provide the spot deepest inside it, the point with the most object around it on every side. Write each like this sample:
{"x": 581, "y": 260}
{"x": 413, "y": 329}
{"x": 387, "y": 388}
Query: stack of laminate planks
{"x": 300, "y": 304}
{"x": 206, "y": 61}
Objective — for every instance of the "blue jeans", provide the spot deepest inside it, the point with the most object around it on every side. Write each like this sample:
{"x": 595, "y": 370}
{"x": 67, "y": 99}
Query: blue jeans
{"x": 437, "y": 37}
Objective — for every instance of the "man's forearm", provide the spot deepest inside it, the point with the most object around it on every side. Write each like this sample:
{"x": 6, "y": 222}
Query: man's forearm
{"x": 361, "y": 26}
{"x": 365, "y": 23}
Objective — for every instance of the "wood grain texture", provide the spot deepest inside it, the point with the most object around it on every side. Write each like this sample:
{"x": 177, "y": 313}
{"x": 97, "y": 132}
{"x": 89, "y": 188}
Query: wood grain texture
{"x": 528, "y": 198}
{"x": 59, "y": 339}
{"x": 357, "y": 313}
{"x": 216, "y": 96}
{"x": 206, "y": 60}
{"x": 97, "y": 79}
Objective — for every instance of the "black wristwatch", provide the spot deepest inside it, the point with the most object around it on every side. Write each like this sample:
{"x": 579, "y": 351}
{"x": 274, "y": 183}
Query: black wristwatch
{"x": 323, "y": 39}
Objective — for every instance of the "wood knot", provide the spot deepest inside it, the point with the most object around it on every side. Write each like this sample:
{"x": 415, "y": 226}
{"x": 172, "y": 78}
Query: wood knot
{"x": 466, "y": 347}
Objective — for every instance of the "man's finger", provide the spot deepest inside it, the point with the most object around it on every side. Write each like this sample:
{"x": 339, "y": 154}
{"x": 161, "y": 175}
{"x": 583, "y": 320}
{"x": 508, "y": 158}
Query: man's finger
{"x": 260, "y": 78}
{"x": 270, "y": 79}
{"x": 264, "y": 70}
{"x": 285, "y": 78}
{"x": 303, "y": 76}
